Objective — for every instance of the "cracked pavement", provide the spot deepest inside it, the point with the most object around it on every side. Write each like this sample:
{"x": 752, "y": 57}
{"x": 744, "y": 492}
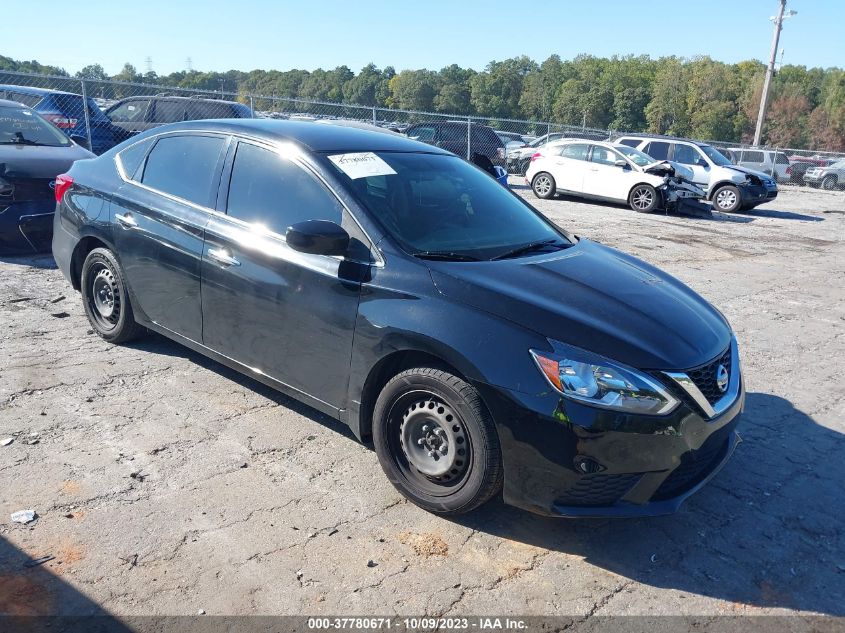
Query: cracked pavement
{"x": 166, "y": 483}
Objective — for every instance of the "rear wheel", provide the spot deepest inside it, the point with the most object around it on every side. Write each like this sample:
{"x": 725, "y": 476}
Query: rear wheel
{"x": 829, "y": 183}
{"x": 105, "y": 297}
{"x": 727, "y": 199}
{"x": 543, "y": 185}
{"x": 644, "y": 198}
{"x": 436, "y": 442}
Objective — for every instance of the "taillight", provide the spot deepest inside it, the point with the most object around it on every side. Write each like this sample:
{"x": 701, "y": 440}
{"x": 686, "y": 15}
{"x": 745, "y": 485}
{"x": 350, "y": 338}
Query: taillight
{"x": 500, "y": 151}
{"x": 535, "y": 156}
{"x": 789, "y": 170}
{"x": 63, "y": 183}
{"x": 61, "y": 121}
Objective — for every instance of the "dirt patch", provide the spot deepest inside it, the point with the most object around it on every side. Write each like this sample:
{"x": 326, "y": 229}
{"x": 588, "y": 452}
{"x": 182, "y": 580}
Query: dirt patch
{"x": 426, "y": 544}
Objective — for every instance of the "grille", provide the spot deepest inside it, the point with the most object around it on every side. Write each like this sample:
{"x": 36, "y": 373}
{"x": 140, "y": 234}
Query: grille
{"x": 704, "y": 377}
{"x": 597, "y": 490}
{"x": 694, "y": 466}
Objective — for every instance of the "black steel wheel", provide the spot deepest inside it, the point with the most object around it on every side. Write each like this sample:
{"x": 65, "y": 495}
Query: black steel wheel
{"x": 105, "y": 298}
{"x": 436, "y": 441}
{"x": 644, "y": 198}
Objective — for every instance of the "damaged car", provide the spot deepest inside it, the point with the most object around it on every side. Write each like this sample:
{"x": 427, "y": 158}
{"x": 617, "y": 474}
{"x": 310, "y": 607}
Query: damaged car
{"x": 32, "y": 153}
{"x": 615, "y": 173}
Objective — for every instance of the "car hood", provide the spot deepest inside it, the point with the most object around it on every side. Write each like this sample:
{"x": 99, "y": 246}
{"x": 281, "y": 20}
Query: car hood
{"x": 595, "y": 298}
{"x": 669, "y": 168}
{"x": 36, "y": 161}
{"x": 744, "y": 170}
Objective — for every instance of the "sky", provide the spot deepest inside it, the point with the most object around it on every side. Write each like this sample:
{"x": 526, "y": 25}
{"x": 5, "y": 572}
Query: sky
{"x": 281, "y": 34}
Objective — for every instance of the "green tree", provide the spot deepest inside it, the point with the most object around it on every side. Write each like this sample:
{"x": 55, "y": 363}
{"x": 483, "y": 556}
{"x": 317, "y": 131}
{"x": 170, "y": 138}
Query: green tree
{"x": 496, "y": 91}
{"x": 92, "y": 71}
{"x": 362, "y": 89}
{"x": 453, "y": 91}
{"x": 413, "y": 90}
{"x": 666, "y": 113}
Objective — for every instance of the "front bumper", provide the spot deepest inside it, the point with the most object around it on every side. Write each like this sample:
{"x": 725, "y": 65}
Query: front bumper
{"x": 756, "y": 194}
{"x": 565, "y": 459}
{"x": 814, "y": 178}
{"x": 26, "y": 227}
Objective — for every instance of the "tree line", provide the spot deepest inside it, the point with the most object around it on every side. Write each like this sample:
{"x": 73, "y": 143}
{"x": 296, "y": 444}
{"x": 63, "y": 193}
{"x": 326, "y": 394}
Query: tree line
{"x": 699, "y": 97}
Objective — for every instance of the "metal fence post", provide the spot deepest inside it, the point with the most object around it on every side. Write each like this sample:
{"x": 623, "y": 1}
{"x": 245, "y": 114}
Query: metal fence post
{"x": 375, "y": 118}
{"x": 87, "y": 116}
{"x": 469, "y": 137}
{"x": 251, "y": 104}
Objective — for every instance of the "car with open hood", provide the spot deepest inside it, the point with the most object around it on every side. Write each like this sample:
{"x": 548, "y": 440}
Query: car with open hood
{"x": 729, "y": 187}
{"x": 32, "y": 153}
{"x": 396, "y": 287}
{"x": 605, "y": 171}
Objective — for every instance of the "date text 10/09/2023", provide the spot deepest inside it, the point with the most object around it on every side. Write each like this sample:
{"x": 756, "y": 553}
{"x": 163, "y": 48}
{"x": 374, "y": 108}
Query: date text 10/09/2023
{"x": 482, "y": 623}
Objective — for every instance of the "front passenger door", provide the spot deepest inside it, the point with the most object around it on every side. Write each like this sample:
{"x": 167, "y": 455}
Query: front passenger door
{"x": 281, "y": 313}
{"x": 605, "y": 178}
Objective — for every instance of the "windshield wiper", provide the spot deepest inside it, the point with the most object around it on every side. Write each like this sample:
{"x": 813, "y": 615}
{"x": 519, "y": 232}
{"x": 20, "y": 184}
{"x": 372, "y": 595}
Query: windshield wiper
{"x": 446, "y": 256}
{"x": 527, "y": 248}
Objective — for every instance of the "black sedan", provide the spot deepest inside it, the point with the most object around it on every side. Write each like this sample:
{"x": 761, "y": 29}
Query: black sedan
{"x": 32, "y": 154}
{"x": 398, "y": 288}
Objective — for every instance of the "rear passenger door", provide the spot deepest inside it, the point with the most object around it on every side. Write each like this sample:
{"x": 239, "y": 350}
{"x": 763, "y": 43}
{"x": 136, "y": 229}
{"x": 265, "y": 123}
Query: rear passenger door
{"x": 129, "y": 118}
{"x": 158, "y": 218}
{"x": 164, "y": 111}
{"x": 570, "y": 166}
{"x": 281, "y": 313}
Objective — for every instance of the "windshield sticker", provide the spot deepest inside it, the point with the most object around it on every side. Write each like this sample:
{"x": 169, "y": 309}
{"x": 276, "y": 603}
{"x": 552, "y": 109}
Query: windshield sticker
{"x": 361, "y": 165}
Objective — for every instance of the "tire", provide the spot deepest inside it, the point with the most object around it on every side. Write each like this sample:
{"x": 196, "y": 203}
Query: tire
{"x": 829, "y": 183}
{"x": 644, "y": 198}
{"x": 105, "y": 298}
{"x": 436, "y": 441}
{"x": 543, "y": 185}
{"x": 522, "y": 166}
{"x": 727, "y": 199}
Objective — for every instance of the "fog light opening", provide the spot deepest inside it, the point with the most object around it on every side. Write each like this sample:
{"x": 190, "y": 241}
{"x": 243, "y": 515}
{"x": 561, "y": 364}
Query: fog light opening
{"x": 587, "y": 465}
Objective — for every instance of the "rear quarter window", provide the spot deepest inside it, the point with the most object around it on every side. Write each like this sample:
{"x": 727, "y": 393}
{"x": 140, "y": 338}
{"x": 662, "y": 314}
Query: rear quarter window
{"x": 130, "y": 159}
{"x": 25, "y": 99}
{"x": 658, "y": 150}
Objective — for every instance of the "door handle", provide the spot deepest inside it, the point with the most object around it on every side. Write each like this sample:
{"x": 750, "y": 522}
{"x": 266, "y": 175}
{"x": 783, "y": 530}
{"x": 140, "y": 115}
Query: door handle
{"x": 126, "y": 220}
{"x": 222, "y": 257}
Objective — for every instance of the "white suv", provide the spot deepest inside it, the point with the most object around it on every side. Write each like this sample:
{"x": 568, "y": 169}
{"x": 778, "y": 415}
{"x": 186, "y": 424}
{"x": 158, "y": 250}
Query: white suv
{"x": 729, "y": 187}
{"x": 767, "y": 161}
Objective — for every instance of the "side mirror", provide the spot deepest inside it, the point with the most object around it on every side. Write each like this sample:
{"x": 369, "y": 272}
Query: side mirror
{"x": 621, "y": 163}
{"x": 318, "y": 237}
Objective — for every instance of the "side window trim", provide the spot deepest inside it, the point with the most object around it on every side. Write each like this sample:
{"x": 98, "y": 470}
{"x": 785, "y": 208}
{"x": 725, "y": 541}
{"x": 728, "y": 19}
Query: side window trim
{"x": 225, "y": 177}
{"x": 227, "y": 141}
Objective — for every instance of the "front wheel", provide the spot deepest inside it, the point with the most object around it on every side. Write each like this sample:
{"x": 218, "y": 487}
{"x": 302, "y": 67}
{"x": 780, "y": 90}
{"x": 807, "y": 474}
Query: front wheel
{"x": 829, "y": 183}
{"x": 543, "y": 185}
{"x": 105, "y": 297}
{"x": 644, "y": 198}
{"x": 436, "y": 441}
{"x": 727, "y": 199}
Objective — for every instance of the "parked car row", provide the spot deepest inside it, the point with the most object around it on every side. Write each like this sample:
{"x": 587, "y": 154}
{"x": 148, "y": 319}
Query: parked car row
{"x": 123, "y": 118}
{"x": 393, "y": 286}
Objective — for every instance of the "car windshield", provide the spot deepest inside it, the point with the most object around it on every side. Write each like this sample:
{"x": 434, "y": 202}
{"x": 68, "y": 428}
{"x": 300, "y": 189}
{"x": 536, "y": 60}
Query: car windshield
{"x": 21, "y": 126}
{"x": 441, "y": 206}
{"x": 715, "y": 155}
{"x": 634, "y": 155}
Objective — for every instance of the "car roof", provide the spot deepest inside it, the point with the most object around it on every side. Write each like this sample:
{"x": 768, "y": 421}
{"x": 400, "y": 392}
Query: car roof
{"x": 314, "y": 137}
{"x": 663, "y": 137}
{"x": 40, "y": 92}
{"x": 5, "y": 103}
{"x": 167, "y": 97}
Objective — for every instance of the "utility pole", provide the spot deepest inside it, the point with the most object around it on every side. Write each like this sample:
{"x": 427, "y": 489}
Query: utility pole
{"x": 764, "y": 100}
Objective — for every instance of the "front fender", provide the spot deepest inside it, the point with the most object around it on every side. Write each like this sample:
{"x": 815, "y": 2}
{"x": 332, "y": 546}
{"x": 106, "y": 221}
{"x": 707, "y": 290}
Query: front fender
{"x": 483, "y": 348}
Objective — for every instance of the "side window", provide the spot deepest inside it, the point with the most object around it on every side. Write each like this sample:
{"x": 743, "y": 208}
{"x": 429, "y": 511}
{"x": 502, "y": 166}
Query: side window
{"x": 129, "y": 112}
{"x": 752, "y": 156}
{"x": 604, "y": 156}
{"x": 781, "y": 159}
{"x": 169, "y": 111}
{"x": 205, "y": 110}
{"x": 183, "y": 166}
{"x": 269, "y": 190}
{"x": 457, "y": 133}
{"x": 658, "y": 150}
{"x": 630, "y": 142}
{"x": 576, "y": 151}
{"x": 131, "y": 158}
{"x": 423, "y": 133}
{"x": 686, "y": 154}
{"x": 28, "y": 100}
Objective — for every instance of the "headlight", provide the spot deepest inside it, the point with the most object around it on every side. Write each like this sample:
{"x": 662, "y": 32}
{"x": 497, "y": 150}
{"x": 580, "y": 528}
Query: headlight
{"x": 599, "y": 382}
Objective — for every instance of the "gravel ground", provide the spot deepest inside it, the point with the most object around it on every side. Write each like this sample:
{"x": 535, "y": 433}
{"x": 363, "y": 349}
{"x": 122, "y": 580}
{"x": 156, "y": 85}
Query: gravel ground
{"x": 165, "y": 483}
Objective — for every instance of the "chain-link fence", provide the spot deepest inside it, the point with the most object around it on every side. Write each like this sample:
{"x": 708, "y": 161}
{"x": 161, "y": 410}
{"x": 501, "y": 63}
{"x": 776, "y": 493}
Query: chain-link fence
{"x": 102, "y": 113}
